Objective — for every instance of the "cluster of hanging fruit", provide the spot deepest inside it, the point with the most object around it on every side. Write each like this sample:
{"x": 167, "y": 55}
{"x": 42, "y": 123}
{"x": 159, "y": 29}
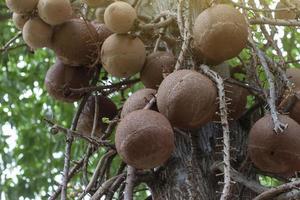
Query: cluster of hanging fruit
{"x": 185, "y": 98}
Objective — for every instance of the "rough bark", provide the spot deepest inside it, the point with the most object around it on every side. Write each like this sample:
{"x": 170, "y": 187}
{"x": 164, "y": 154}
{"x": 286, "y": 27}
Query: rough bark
{"x": 189, "y": 175}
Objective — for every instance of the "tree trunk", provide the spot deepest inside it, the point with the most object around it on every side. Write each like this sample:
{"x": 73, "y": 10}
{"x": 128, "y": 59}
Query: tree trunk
{"x": 189, "y": 175}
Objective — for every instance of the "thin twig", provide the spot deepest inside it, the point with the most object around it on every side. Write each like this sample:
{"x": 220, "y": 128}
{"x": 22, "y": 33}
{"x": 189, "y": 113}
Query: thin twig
{"x": 274, "y": 22}
{"x": 12, "y": 40}
{"x": 98, "y": 171}
{"x": 271, "y": 193}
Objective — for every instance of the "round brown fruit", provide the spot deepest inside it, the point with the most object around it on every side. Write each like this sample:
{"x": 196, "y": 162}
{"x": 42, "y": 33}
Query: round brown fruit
{"x": 55, "y": 12}
{"x": 106, "y": 109}
{"x": 60, "y": 78}
{"x": 137, "y": 101}
{"x": 97, "y": 3}
{"x": 102, "y": 30}
{"x": 123, "y": 55}
{"x": 21, "y": 6}
{"x": 275, "y": 153}
{"x": 220, "y": 33}
{"x": 20, "y": 20}
{"x": 286, "y": 14}
{"x": 120, "y": 17}
{"x": 156, "y": 65}
{"x": 37, "y": 34}
{"x": 294, "y": 75}
{"x": 187, "y": 98}
{"x": 76, "y": 42}
{"x": 144, "y": 139}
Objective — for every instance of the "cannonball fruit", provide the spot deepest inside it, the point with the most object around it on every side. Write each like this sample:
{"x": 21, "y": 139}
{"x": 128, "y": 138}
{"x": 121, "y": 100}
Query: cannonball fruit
{"x": 106, "y": 109}
{"x": 55, "y": 12}
{"x": 75, "y": 42}
{"x": 144, "y": 139}
{"x": 137, "y": 101}
{"x": 21, "y": 6}
{"x": 156, "y": 65}
{"x": 286, "y": 14}
{"x": 60, "y": 78}
{"x": 119, "y": 17}
{"x": 37, "y": 34}
{"x": 220, "y": 33}
{"x": 275, "y": 153}
{"x": 102, "y": 30}
{"x": 187, "y": 98}
{"x": 294, "y": 75}
{"x": 20, "y": 20}
{"x": 97, "y": 3}
{"x": 123, "y": 55}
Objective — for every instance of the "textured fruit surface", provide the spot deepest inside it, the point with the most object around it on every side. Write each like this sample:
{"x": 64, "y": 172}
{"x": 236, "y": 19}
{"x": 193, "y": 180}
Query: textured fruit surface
{"x": 21, "y": 6}
{"x": 37, "y": 34}
{"x": 75, "y": 42}
{"x": 187, "y": 98}
{"x": 55, "y": 12}
{"x": 123, "y": 55}
{"x": 60, "y": 77}
{"x": 220, "y": 33}
{"x": 19, "y": 20}
{"x": 286, "y": 14}
{"x": 144, "y": 139}
{"x": 137, "y": 101}
{"x": 119, "y": 17}
{"x": 271, "y": 152}
{"x": 294, "y": 75}
{"x": 156, "y": 65}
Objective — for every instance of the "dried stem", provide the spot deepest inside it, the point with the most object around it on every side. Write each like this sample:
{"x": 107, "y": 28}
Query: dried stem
{"x": 225, "y": 126}
{"x": 271, "y": 98}
{"x": 69, "y": 141}
{"x": 99, "y": 172}
{"x": 128, "y": 193}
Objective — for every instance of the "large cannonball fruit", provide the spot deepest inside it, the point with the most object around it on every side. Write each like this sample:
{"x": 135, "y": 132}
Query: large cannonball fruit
{"x": 123, "y": 55}
{"x": 106, "y": 108}
{"x": 60, "y": 77}
{"x": 97, "y": 3}
{"x": 294, "y": 75}
{"x": 220, "y": 33}
{"x": 119, "y": 17}
{"x": 144, "y": 139}
{"x": 187, "y": 98}
{"x": 55, "y": 12}
{"x": 37, "y": 34}
{"x": 137, "y": 101}
{"x": 75, "y": 42}
{"x": 19, "y": 20}
{"x": 156, "y": 65}
{"x": 275, "y": 153}
{"x": 21, "y": 6}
